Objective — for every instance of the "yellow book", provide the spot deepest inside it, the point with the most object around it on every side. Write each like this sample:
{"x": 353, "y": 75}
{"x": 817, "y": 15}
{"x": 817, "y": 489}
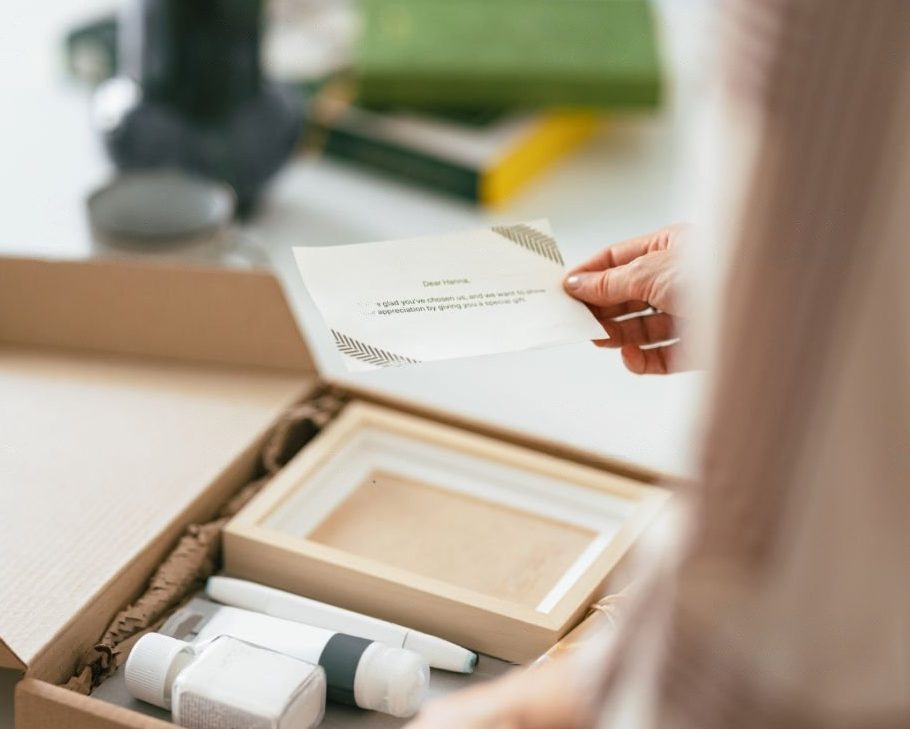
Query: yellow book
{"x": 552, "y": 136}
{"x": 484, "y": 156}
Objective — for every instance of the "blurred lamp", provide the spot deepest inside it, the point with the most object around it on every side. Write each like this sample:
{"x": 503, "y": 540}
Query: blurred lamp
{"x": 190, "y": 95}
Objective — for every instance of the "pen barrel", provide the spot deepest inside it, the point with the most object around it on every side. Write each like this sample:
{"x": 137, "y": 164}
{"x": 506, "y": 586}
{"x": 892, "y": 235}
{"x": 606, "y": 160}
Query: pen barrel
{"x": 439, "y": 653}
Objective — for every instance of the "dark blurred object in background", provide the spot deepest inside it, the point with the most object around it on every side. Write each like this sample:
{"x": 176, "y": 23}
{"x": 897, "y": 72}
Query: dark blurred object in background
{"x": 470, "y": 97}
{"x": 190, "y": 95}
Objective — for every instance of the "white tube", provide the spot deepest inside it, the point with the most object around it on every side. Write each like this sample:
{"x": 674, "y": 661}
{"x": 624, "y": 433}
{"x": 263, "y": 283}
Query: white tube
{"x": 252, "y": 596}
{"x": 358, "y": 671}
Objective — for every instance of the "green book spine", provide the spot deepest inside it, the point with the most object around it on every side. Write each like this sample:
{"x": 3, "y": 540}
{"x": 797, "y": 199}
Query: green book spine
{"x": 471, "y": 53}
{"x": 403, "y": 163}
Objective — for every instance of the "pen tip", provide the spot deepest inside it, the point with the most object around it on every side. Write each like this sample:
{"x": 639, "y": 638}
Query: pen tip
{"x": 470, "y": 662}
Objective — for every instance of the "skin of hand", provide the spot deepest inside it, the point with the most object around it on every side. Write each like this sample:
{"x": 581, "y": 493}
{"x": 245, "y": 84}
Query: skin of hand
{"x": 548, "y": 697}
{"x": 631, "y": 277}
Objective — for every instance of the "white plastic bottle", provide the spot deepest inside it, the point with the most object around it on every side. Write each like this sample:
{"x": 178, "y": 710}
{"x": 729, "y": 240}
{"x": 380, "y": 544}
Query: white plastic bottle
{"x": 226, "y": 684}
{"x": 359, "y": 671}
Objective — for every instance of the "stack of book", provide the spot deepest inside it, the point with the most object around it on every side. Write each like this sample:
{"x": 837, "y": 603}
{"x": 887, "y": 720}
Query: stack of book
{"x": 471, "y": 97}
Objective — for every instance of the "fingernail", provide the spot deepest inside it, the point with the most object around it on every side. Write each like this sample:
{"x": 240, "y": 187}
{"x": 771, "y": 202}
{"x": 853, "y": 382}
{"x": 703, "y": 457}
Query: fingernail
{"x": 575, "y": 281}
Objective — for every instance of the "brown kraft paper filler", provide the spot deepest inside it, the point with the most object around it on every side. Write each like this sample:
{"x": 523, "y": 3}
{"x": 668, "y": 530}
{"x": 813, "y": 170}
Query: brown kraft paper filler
{"x": 197, "y": 554}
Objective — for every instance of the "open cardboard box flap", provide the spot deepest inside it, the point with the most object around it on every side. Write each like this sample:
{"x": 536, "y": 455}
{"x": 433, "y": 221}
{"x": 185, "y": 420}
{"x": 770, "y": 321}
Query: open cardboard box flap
{"x": 134, "y": 399}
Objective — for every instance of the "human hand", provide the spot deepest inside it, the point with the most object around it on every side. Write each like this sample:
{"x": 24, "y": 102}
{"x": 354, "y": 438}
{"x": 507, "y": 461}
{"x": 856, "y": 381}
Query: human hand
{"x": 631, "y": 288}
{"x": 549, "y": 697}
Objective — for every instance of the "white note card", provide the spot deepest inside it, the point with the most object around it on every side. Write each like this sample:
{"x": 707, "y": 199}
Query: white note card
{"x": 403, "y": 302}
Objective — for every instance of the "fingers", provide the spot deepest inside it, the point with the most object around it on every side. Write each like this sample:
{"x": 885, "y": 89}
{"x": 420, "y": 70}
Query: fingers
{"x": 650, "y": 278}
{"x": 651, "y": 361}
{"x": 627, "y": 251}
{"x": 626, "y": 279}
{"x": 603, "y": 313}
{"x": 617, "y": 255}
{"x": 609, "y": 288}
{"x": 639, "y": 330}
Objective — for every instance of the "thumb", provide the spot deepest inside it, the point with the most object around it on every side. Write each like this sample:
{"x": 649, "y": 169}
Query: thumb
{"x": 603, "y": 288}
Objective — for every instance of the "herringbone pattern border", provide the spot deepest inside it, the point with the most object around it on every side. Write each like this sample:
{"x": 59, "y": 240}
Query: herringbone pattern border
{"x": 527, "y": 237}
{"x": 368, "y": 353}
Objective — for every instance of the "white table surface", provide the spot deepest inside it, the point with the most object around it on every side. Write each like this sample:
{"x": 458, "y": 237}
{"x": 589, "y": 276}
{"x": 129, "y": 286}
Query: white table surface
{"x": 621, "y": 184}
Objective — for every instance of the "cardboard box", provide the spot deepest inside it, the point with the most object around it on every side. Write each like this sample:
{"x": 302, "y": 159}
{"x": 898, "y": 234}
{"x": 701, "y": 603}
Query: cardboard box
{"x": 135, "y": 400}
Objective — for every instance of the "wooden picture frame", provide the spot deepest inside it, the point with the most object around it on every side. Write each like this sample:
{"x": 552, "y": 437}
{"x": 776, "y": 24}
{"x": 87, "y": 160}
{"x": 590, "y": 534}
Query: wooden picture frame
{"x": 493, "y": 546}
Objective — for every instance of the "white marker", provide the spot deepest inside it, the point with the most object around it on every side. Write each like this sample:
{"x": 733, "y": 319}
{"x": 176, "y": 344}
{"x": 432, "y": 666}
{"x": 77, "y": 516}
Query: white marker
{"x": 252, "y": 596}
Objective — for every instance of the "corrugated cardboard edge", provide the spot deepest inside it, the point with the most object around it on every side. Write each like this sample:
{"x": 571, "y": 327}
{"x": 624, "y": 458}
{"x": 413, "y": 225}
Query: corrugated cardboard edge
{"x": 8, "y": 659}
{"x": 40, "y": 705}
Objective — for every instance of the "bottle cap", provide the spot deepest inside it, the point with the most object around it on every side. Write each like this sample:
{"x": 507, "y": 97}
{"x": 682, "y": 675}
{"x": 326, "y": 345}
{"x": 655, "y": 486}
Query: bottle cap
{"x": 392, "y": 680}
{"x": 152, "y": 666}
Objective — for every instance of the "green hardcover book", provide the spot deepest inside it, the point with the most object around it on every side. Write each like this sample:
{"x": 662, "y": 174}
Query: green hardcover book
{"x": 476, "y": 53}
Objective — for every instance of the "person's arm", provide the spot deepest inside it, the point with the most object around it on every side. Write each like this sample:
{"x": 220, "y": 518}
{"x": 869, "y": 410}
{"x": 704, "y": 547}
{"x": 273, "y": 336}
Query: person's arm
{"x": 791, "y": 605}
{"x": 554, "y": 696}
